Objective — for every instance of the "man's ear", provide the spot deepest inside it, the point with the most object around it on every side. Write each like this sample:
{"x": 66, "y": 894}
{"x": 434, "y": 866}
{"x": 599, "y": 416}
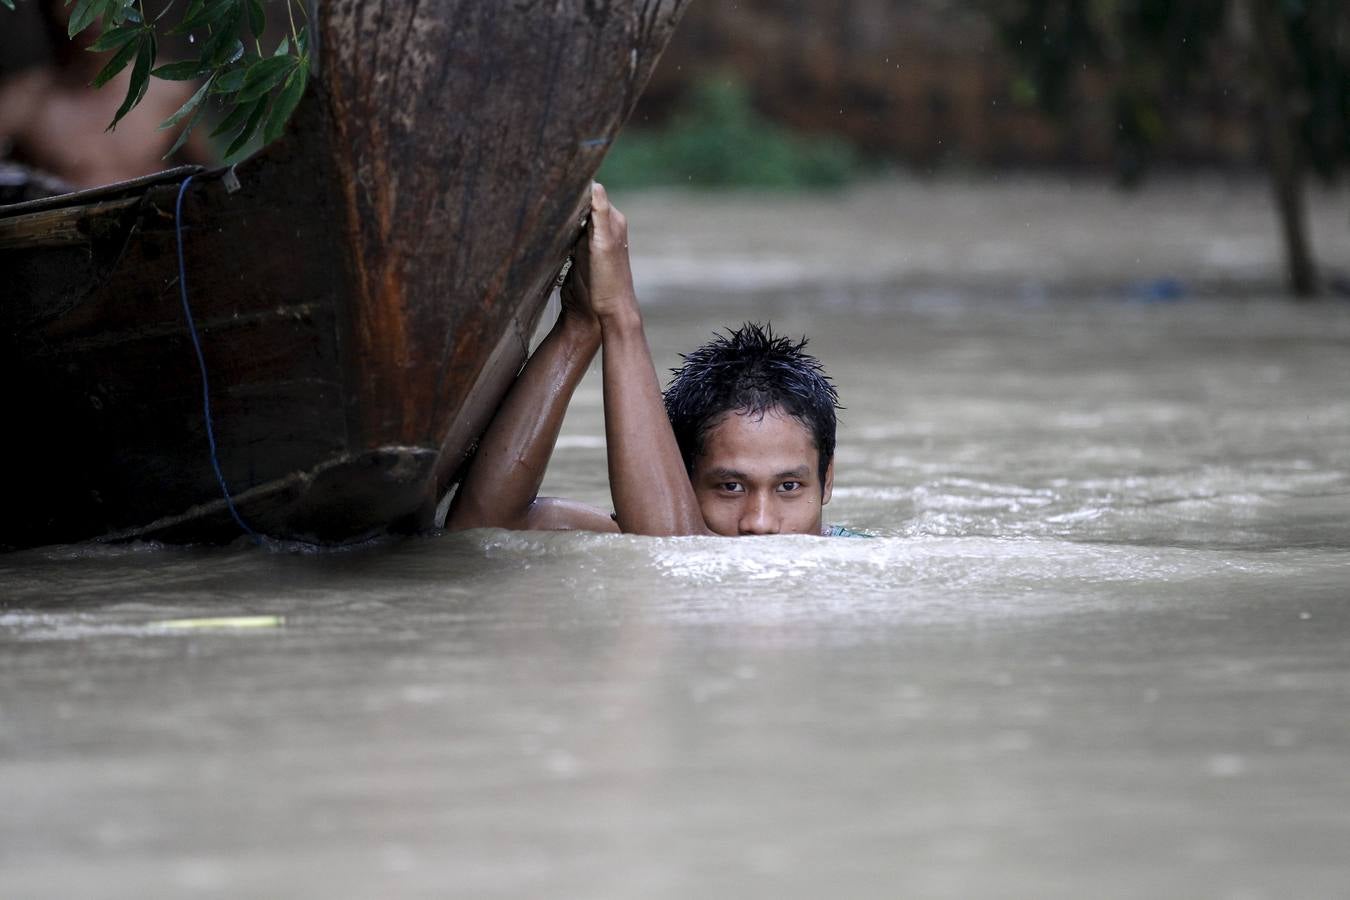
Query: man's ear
{"x": 827, "y": 486}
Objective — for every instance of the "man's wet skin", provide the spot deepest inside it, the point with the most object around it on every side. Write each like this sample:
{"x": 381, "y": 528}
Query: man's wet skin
{"x": 756, "y": 473}
{"x": 759, "y": 474}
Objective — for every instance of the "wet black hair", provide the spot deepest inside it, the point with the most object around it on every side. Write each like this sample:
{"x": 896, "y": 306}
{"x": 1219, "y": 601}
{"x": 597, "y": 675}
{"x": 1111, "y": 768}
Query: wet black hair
{"x": 752, "y": 371}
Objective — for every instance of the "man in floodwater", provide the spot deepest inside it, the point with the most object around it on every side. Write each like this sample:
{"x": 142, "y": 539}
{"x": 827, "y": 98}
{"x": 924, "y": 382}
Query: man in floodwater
{"x": 742, "y": 442}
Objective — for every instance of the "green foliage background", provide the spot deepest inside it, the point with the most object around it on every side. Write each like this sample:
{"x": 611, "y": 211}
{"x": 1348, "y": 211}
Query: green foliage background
{"x": 717, "y": 139}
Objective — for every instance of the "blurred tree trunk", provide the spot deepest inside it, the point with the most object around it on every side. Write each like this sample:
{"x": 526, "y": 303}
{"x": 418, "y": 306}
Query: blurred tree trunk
{"x": 1273, "y": 57}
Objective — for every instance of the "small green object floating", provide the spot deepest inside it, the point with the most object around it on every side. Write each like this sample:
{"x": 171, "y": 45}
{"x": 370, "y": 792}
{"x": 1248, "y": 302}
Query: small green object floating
{"x": 221, "y": 622}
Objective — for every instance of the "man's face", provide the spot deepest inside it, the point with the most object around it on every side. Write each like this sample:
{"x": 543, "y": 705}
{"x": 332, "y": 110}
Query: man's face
{"x": 758, "y": 475}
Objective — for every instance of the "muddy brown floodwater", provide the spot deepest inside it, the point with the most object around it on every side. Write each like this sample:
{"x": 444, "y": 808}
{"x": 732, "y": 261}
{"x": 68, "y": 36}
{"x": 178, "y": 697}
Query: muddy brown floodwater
{"x": 1099, "y": 648}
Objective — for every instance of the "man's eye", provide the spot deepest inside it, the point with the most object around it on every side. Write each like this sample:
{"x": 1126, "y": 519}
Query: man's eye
{"x": 789, "y": 486}
{"x": 731, "y": 487}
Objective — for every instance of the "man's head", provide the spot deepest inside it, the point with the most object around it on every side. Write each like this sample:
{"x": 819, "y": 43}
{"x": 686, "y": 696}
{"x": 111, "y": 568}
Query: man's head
{"x": 754, "y": 417}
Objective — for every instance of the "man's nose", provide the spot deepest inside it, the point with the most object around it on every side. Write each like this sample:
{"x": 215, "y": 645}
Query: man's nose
{"x": 759, "y": 515}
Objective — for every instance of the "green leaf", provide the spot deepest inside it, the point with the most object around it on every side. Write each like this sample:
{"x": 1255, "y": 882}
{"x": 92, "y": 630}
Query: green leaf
{"x": 302, "y": 42}
{"x": 113, "y": 12}
{"x": 183, "y": 135}
{"x": 234, "y": 121}
{"x": 257, "y": 17}
{"x": 114, "y": 38}
{"x": 7, "y": 3}
{"x": 116, "y": 64}
{"x": 205, "y": 14}
{"x": 287, "y": 101}
{"x": 193, "y": 102}
{"x": 254, "y": 117}
{"x": 224, "y": 43}
{"x": 140, "y": 79}
{"x": 186, "y": 70}
{"x": 283, "y": 47}
{"x": 263, "y": 76}
{"x": 236, "y": 53}
{"x": 82, "y": 16}
{"x": 230, "y": 81}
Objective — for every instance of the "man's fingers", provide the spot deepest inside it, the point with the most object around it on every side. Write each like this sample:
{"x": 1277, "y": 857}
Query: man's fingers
{"x": 600, "y": 208}
{"x": 609, "y": 227}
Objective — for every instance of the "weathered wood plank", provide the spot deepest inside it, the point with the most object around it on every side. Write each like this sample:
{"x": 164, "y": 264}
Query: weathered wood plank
{"x": 59, "y": 227}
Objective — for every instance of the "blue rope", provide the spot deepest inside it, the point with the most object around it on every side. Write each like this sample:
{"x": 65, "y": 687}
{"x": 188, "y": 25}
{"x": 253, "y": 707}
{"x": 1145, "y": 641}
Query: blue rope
{"x": 201, "y": 363}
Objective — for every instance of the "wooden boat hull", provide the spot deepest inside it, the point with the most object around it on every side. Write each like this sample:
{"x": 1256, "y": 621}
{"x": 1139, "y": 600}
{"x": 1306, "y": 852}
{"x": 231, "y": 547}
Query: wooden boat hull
{"x": 364, "y": 294}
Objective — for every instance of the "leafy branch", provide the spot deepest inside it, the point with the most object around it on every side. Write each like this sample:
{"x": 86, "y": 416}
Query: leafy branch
{"x": 256, "y": 92}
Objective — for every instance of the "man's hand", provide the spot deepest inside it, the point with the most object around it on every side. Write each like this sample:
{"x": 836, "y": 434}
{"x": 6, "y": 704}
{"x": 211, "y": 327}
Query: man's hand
{"x": 610, "y": 277}
{"x": 575, "y": 293}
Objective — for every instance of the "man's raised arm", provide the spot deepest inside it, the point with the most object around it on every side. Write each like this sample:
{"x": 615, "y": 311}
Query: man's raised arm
{"x": 500, "y": 489}
{"x": 647, "y": 478}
